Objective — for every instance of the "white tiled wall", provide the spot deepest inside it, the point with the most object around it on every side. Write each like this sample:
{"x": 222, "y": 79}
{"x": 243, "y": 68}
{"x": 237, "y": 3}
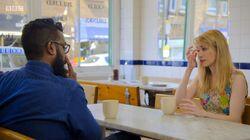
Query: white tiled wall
{"x": 126, "y": 45}
{"x": 149, "y": 30}
{"x": 130, "y": 44}
{"x": 239, "y": 31}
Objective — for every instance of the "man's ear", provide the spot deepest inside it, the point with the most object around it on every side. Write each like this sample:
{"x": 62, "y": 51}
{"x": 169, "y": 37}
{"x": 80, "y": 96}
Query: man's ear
{"x": 51, "y": 48}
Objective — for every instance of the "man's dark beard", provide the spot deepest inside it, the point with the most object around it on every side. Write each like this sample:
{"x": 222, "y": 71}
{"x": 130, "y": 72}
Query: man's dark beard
{"x": 58, "y": 66}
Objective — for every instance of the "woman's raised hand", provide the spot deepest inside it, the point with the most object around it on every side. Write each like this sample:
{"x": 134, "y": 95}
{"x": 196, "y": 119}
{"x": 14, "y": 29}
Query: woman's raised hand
{"x": 191, "y": 54}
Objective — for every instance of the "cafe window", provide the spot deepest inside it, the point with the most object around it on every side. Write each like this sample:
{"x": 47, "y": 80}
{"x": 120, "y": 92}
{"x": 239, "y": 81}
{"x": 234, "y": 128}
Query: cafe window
{"x": 171, "y": 32}
{"x": 173, "y": 26}
{"x": 85, "y": 24}
{"x": 94, "y": 33}
{"x": 216, "y": 18}
{"x": 13, "y": 16}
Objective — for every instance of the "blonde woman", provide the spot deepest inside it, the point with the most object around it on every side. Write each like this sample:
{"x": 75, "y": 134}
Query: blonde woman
{"x": 222, "y": 88}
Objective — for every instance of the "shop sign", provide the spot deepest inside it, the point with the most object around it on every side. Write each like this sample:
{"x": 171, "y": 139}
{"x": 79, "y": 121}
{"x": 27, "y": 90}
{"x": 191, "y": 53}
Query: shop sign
{"x": 59, "y": 3}
{"x": 11, "y": 50}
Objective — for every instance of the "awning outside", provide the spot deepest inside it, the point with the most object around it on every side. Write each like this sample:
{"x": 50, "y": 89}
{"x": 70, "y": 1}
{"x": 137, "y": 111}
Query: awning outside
{"x": 94, "y": 29}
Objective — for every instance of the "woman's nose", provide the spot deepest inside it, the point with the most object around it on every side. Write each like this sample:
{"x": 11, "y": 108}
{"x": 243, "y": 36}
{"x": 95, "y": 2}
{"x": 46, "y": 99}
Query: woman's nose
{"x": 198, "y": 50}
{"x": 199, "y": 53}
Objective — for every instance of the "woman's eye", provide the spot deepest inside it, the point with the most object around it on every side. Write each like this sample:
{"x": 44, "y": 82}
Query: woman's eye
{"x": 204, "y": 49}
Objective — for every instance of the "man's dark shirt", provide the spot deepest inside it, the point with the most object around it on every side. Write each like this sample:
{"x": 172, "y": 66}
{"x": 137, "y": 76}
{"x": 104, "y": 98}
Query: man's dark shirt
{"x": 39, "y": 104}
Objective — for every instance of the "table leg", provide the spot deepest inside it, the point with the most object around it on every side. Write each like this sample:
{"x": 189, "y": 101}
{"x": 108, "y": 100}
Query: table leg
{"x": 103, "y": 129}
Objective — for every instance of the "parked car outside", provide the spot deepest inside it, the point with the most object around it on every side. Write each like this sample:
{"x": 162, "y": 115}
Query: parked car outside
{"x": 96, "y": 60}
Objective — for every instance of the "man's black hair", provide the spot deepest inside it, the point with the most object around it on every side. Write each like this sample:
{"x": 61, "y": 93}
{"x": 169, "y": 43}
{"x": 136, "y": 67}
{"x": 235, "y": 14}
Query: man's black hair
{"x": 36, "y": 34}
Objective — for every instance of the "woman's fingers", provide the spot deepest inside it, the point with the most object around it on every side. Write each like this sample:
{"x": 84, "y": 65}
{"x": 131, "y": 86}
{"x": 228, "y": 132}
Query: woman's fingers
{"x": 190, "y": 113}
{"x": 187, "y": 101}
{"x": 191, "y": 54}
{"x": 186, "y": 104}
{"x": 187, "y": 108}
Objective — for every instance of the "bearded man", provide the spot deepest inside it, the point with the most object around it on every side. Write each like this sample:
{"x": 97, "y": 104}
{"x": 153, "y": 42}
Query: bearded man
{"x": 43, "y": 100}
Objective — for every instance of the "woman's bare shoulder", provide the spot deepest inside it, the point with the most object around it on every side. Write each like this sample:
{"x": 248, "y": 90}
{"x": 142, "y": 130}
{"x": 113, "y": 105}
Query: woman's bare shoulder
{"x": 238, "y": 75}
{"x": 239, "y": 81}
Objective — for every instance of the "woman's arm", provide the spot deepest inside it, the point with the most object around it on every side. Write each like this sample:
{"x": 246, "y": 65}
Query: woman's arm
{"x": 237, "y": 103}
{"x": 185, "y": 91}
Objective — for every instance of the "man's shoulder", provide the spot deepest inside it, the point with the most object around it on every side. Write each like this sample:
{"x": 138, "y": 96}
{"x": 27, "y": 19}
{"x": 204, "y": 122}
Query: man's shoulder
{"x": 68, "y": 82}
{"x": 12, "y": 73}
{"x": 72, "y": 88}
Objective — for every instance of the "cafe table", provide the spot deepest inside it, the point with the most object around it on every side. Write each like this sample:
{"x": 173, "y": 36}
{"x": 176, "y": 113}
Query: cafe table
{"x": 152, "y": 123}
{"x": 152, "y": 86}
{"x": 150, "y": 89}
